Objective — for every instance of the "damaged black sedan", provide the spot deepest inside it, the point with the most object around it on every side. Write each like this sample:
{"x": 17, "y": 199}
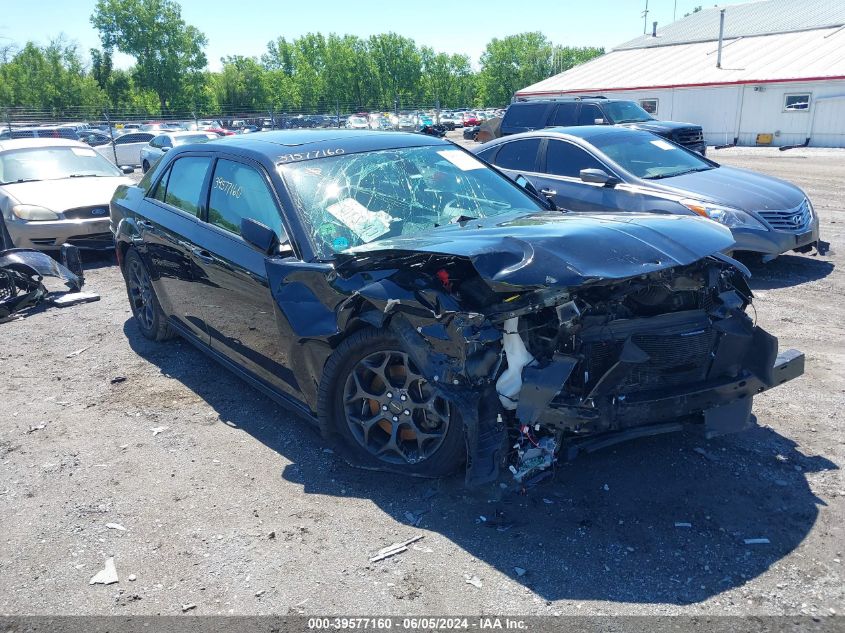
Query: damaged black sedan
{"x": 428, "y": 312}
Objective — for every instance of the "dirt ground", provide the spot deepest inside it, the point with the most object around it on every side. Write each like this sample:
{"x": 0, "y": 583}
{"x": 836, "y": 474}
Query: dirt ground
{"x": 233, "y": 505}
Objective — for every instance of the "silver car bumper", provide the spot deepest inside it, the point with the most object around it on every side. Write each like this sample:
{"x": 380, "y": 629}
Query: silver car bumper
{"x": 51, "y": 234}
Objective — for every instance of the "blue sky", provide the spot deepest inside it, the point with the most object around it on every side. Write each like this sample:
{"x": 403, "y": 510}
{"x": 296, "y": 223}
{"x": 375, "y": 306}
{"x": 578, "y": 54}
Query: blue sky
{"x": 244, "y": 27}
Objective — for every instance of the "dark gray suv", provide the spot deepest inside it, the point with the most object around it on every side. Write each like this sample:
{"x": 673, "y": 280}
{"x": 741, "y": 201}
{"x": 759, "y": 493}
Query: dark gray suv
{"x": 602, "y": 168}
{"x": 524, "y": 116}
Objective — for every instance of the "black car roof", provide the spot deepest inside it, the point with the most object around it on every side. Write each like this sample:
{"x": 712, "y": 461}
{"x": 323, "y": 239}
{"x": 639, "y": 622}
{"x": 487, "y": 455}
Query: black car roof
{"x": 277, "y": 143}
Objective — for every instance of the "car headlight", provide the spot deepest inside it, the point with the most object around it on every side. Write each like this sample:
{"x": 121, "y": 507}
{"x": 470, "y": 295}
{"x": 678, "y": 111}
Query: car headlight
{"x": 732, "y": 218}
{"x": 32, "y": 212}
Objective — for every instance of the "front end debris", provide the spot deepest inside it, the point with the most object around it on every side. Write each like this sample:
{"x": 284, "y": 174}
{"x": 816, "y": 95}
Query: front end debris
{"x": 22, "y": 273}
{"x": 555, "y": 370}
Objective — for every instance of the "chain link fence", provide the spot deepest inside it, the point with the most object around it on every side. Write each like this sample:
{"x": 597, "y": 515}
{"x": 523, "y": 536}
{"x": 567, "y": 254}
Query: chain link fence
{"x": 230, "y": 117}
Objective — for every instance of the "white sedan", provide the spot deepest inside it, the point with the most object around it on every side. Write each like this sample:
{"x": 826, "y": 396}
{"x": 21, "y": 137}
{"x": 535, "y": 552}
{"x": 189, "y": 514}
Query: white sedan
{"x": 54, "y": 191}
{"x": 126, "y": 149}
{"x": 162, "y": 143}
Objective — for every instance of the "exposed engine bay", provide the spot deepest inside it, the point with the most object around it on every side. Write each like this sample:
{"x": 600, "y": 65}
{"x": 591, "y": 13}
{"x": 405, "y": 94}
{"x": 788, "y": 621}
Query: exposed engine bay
{"x": 551, "y": 368}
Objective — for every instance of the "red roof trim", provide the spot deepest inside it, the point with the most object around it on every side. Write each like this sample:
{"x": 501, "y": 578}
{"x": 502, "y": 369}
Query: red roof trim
{"x": 700, "y": 85}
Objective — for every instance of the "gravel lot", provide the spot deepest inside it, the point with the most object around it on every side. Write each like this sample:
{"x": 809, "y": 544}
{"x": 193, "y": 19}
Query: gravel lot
{"x": 235, "y": 506}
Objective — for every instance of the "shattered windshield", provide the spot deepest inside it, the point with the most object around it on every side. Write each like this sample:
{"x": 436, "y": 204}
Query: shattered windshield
{"x": 354, "y": 199}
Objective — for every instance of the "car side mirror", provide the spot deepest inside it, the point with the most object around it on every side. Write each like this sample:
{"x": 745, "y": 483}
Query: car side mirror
{"x": 599, "y": 177}
{"x": 127, "y": 169}
{"x": 164, "y": 149}
{"x": 261, "y": 237}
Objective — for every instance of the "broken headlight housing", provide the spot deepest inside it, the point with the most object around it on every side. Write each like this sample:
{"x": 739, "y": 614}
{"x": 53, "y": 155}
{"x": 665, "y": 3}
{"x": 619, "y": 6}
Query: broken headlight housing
{"x": 31, "y": 212}
{"x": 732, "y": 218}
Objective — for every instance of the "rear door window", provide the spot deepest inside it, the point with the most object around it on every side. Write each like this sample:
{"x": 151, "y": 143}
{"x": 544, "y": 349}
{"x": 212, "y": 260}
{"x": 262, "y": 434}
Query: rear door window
{"x": 567, "y": 159}
{"x": 487, "y": 154}
{"x": 565, "y": 114}
{"x": 185, "y": 183}
{"x": 519, "y": 155}
{"x": 239, "y": 191}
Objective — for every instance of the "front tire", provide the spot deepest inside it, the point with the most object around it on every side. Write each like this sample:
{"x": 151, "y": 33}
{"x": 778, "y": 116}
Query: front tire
{"x": 374, "y": 397}
{"x": 145, "y": 167}
{"x": 151, "y": 319}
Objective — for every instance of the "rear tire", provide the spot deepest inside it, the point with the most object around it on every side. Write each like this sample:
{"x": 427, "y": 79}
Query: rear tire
{"x": 151, "y": 319}
{"x": 374, "y": 398}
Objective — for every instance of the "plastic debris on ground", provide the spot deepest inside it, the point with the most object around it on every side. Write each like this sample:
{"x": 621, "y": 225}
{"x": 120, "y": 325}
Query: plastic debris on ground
{"x": 106, "y": 576}
{"x": 475, "y": 581}
{"x": 22, "y": 280}
{"x": 394, "y": 548}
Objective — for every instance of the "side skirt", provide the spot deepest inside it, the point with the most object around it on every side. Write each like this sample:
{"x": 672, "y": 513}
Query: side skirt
{"x": 279, "y": 398}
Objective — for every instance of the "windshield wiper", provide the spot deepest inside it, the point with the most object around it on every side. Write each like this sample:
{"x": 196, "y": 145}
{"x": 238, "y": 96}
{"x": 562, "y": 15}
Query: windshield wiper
{"x": 678, "y": 173}
{"x": 85, "y": 176}
{"x": 463, "y": 218}
{"x": 14, "y": 182}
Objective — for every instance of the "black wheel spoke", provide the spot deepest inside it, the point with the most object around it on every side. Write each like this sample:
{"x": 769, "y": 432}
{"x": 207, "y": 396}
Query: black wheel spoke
{"x": 392, "y": 411}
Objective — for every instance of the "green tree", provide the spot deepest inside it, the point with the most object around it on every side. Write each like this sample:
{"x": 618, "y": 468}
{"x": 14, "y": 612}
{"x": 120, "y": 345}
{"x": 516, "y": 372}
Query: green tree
{"x": 511, "y": 63}
{"x": 166, "y": 49}
{"x": 50, "y": 81}
{"x": 397, "y": 66}
{"x": 241, "y": 86}
{"x": 566, "y": 57}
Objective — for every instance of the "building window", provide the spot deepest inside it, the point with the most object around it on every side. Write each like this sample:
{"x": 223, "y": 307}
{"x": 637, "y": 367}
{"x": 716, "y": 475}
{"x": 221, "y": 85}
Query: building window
{"x": 649, "y": 105}
{"x": 796, "y": 102}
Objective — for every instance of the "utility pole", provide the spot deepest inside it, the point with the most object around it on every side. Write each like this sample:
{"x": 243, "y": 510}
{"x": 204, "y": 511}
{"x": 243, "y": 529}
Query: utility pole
{"x": 645, "y": 18}
{"x": 675, "y": 11}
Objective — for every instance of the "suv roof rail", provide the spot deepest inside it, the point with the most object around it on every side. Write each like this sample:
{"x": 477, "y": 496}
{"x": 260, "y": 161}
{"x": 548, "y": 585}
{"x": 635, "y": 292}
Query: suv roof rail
{"x": 561, "y": 98}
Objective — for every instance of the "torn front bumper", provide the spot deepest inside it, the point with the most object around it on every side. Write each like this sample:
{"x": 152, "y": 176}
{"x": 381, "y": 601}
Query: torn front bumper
{"x": 722, "y": 406}
{"x": 23, "y": 270}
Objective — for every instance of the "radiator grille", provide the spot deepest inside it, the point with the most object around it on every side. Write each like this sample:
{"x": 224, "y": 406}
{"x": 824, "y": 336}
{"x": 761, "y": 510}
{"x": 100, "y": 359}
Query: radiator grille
{"x": 86, "y": 213}
{"x": 689, "y": 136}
{"x": 794, "y": 220}
{"x": 674, "y": 359}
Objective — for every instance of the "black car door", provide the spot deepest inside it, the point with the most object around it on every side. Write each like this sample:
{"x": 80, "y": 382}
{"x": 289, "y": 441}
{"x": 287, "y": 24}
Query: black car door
{"x": 559, "y": 178}
{"x": 168, "y": 222}
{"x": 238, "y": 307}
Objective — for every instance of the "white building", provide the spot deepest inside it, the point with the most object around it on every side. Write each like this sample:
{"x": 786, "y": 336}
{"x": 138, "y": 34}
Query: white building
{"x": 782, "y": 73}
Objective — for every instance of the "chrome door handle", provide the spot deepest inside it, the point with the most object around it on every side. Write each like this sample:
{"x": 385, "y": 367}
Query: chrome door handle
{"x": 202, "y": 255}
{"x": 548, "y": 192}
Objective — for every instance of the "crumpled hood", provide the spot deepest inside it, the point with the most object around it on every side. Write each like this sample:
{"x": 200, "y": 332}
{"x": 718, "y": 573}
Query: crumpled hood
{"x": 553, "y": 249}
{"x": 67, "y": 193}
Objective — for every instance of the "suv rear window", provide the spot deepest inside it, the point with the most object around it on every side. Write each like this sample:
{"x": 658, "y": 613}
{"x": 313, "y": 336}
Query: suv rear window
{"x": 529, "y": 115}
